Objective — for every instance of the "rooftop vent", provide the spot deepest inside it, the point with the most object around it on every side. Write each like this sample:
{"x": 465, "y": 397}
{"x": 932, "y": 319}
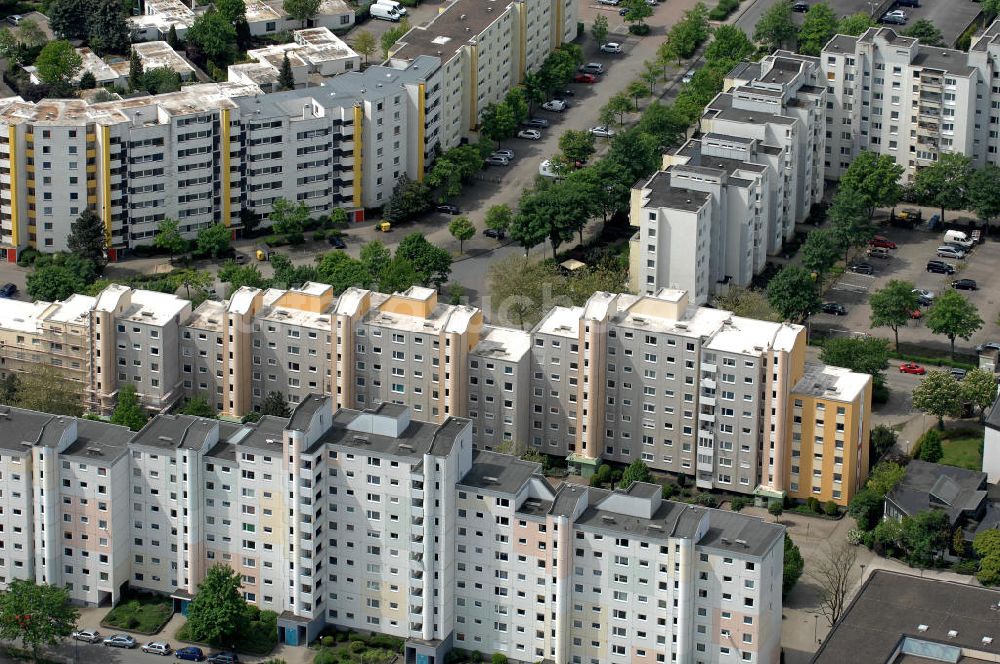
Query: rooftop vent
{"x": 921, "y": 628}
{"x": 94, "y": 450}
{"x": 406, "y": 446}
{"x": 361, "y": 440}
{"x": 681, "y": 326}
{"x": 952, "y": 633}
{"x": 743, "y": 543}
{"x": 987, "y": 640}
{"x": 724, "y": 540}
{"x": 166, "y": 439}
{"x": 270, "y": 441}
{"x": 490, "y": 479}
{"x": 607, "y": 519}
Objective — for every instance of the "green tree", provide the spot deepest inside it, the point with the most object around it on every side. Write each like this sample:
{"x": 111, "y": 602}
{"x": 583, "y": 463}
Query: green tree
{"x": 849, "y": 220}
{"x": 577, "y": 145}
{"x": 818, "y": 27}
{"x": 128, "y": 411}
{"x": 391, "y": 36}
{"x": 172, "y": 40}
{"x": 868, "y": 355}
{"x": 30, "y": 33}
{"x": 893, "y": 306}
{"x": 198, "y": 406}
{"x": 650, "y": 74}
{"x": 866, "y": 507}
{"x": 287, "y": 217}
{"x": 68, "y": 18}
{"x": 286, "y": 78}
{"x": 748, "y": 303}
{"x": 365, "y": 43}
{"x": 945, "y": 183}
{"x": 820, "y": 252}
{"x": 233, "y": 11}
{"x": 990, "y": 9}
{"x": 930, "y": 447}
{"x": 432, "y": 264}
{"x": 855, "y": 24}
{"x": 606, "y": 185}
{"x": 218, "y": 613}
{"x": 637, "y": 471}
{"x": 940, "y": 395}
{"x": 342, "y": 272}
{"x": 881, "y": 440}
{"x": 775, "y": 29}
{"x": 214, "y": 240}
{"x": 884, "y": 478}
{"x": 238, "y": 276}
{"x": 45, "y": 389}
{"x": 499, "y": 217}
{"x": 984, "y": 193}
{"x": 87, "y": 81}
{"x": 521, "y": 290}
{"x": 793, "y": 293}
{"x": 954, "y": 316}
{"x": 986, "y": 545}
{"x": 925, "y": 536}
{"x": 775, "y": 509}
{"x": 637, "y": 90}
{"x": 461, "y": 229}
{"x": 58, "y": 63}
{"x": 497, "y": 122}
{"x": 107, "y": 27}
{"x": 926, "y": 32}
{"x": 36, "y": 615}
{"x": 168, "y": 237}
{"x": 275, "y": 404}
{"x": 161, "y": 80}
{"x": 302, "y": 10}
{"x": 600, "y": 29}
{"x": 517, "y": 101}
{"x": 398, "y": 276}
{"x": 58, "y": 278}
{"x": 638, "y": 154}
{"x": 499, "y": 658}
{"x": 637, "y": 11}
{"x": 375, "y": 257}
{"x": 979, "y": 387}
{"x": 794, "y": 564}
{"x": 135, "y": 72}
{"x": 86, "y": 238}
{"x": 875, "y": 177}
{"x": 619, "y": 105}
{"x": 215, "y": 37}
{"x": 409, "y": 197}
{"x": 729, "y": 43}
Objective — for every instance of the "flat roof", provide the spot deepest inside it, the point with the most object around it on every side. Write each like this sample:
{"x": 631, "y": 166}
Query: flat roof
{"x": 501, "y": 473}
{"x": 21, "y": 429}
{"x": 561, "y": 321}
{"x": 831, "y": 383}
{"x": 416, "y": 440}
{"x": 892, "y": 606}
{"x": 502, "y": 343}
{"x": 452, "y": 28}
{"x": 663, "y": 193}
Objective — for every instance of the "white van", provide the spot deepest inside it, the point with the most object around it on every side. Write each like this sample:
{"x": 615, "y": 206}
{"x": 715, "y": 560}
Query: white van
{"x": 958, "y": 237}
{"x": 384, "y": 13}
{"x": 400, "y": 9}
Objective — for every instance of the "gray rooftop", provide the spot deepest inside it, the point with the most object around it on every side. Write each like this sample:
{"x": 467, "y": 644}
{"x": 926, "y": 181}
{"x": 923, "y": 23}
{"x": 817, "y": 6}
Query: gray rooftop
{"x": 934, "y": 486}
{"x": 169, "y": 432}
{"x": 460, "y": 22}
{"x": 841, "y": 44}
{"x": 993, "y": 418}
{"x": 303, "y": 413}
{"x": 22, "y": 429}
{"x": 892, "y": 607}
{"x": 664, "y": 195}
{"x": 416, "y": 440}
{"x": 499, "y": 473}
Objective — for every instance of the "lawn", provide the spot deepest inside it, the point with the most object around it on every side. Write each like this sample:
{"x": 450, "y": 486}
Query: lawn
{"x": 354, "y": 648}
{"x": 963, "y": 448}
{"x": 146, "y": 613}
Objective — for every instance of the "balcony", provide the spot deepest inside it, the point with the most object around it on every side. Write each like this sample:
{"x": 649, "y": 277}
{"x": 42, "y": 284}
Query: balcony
{"x": 707, "y": 401}
{"x": 708, "y": 383}
{"x": 706, "y": 417}
{"x": 711, "y": 368}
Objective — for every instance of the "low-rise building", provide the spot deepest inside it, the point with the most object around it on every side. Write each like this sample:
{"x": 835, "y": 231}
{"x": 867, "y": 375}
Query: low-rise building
{"x": 314, "y": 55}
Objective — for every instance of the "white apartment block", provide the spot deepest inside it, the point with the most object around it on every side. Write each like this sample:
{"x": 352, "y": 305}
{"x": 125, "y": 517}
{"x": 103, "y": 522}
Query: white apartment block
{"x": 685, "y": 389}
{"x": 725, "y": 201}
{"x": 370, "y": 520}
{"x": 314, "y": 55}
{"x": 890, "y": 94}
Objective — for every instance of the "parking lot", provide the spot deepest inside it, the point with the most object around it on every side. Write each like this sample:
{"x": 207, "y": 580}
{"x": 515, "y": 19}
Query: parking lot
{"x": 951, "y": 17}
{"x": 909, "y": 262}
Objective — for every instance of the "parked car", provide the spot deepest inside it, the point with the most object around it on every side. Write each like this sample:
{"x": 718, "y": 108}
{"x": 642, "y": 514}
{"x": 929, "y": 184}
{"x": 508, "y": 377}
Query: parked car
{"x": 957, "y": 246}
{"x": 940, "y": 267}
{"x": 120, "y": 641}
{"x": 601, "y": 130}
{"x": 924, "y": 297}
{"x": 908, "y": 3}
{"x": 592, "y": 68}
{"x": 879, "y": 252}
{"x": 189, "y": 653}
{"x": 965, "y": 284}
{"x": 613, "y": 3}
{"x": 912, "y": 368}
{"x": 537, "y": 123}
{"x": 504, "y": 152}
{"x": 800, "y": 7}
{"x": 958, "y": 374}
{"x": 497, "y": 160}
{"x": 530, "y": 134}
{"x": 88, "y": 635}
{"x": 157, "y": 648}
{"x": 15, "y": 19}
{"x": 862, "y": 268}
{"x": 945, "y": 251}
{"x": 494, "y": 233}
{"x": 612, "y": 47}
{"x": 623, "y": 11}
{"x": 223, "y": 658}
{"x": 556, "y": 105}
{"x": 834, "y": 309}
{"x": 8, "y": 290}
{"x": 336, "y": 241}
{"x": 882, "y": 241}
{"x": 895, "y": 17}
{"x": 689, "y": 76}
{"x": 585, "y": 78}
{"x": 447, "y": 208}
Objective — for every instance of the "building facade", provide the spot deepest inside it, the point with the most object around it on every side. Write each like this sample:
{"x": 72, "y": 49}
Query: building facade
{"x": 371, "y": 520}
{"x": 726, "y": 400}
{"x": 723, "y": 202}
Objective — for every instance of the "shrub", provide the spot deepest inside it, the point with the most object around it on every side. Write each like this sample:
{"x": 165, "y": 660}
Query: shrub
{"x": 319, "y": 235}
{"x": 27, "y": 256}
{"x": 358, "y": 647}
{"x": 327, "y": 641}
{"x": 737, "y": 504}
{"x": 813, "y": 504}
{"x": 830, "y": 508}
{"x": 965, "y": 567}
{"x": 639, "y": 30}
{"x": 362, "y": 13}
{"x": 722, "y": 10}
{"x": 499, "y": 658}
{"x": 707, "y": 500}
{"x": 341, "y": 637}
{"x": 670, "y": 490}
{"x": 855, "y": 536}
{"x": 295, "y": 239}
{"x": 325, "y": 656}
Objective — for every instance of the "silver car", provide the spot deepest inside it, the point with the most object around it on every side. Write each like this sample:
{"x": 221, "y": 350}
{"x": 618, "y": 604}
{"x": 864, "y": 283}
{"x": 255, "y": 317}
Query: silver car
{"x": 88, "y": 635}
{"x": 157, "y": 648}
{"x": 120, "y": 641}
{"x": 592, "y": 68}
{"x": 945, "y": 251}
{"x": 497, "y": 160}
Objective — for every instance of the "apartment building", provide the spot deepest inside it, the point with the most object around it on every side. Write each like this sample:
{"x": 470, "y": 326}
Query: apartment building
{"x": 314, "y": 54}
{"x": 685, "y": 389}
{"x": 373, "y": 520}
{"x": 723, "y": 202}
{"x": 485, "y": 49}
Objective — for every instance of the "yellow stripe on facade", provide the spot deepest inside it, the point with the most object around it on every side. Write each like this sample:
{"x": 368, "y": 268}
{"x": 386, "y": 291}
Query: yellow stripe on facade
{"x": 106, "y": 152}
{"x": 226, "y": 175}
{"x": 474, "y": 93}
{"x": 15, "y": 213}
{"x": 421, "y": 114}
{"x": 358, "y": 118}
{"x": 523, "y": 19}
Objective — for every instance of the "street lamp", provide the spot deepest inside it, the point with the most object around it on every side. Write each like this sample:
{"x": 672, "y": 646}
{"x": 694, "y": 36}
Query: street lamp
{"x": 862, "y": 573}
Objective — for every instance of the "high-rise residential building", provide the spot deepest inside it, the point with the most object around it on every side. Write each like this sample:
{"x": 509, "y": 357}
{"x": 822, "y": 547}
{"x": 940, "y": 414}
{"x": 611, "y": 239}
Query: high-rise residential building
{"x": 729, "y": 401}
{"x": 726, "y": 200}
{"x": 372, "y": 520}
{"x": 893, "y": 95}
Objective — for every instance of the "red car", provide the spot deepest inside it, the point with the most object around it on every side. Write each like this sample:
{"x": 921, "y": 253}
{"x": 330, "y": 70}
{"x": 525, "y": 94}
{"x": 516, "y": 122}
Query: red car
{"x": 884, "y": 242}
{"x": 912, "y": 368}
{"x": 585, "y": 78}
{"x": 916, "y": 313}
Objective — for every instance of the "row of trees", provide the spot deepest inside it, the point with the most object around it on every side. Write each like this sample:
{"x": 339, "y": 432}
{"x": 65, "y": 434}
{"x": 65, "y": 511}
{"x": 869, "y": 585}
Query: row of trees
{"x": 951, "y": 183}
{"x": 102, "y": 24}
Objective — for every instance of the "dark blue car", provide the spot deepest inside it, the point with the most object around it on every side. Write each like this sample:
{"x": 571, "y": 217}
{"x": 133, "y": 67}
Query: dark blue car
{"x": 189, "y": 653}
